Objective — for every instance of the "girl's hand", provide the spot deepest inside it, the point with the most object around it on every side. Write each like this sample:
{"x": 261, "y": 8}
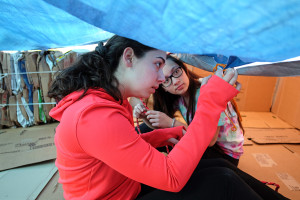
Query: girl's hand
{"x": 230, "y": 76}
{"x": 175, "y": 141}
{"x": 139, "y": 111}
{"x": 158, "y": 119}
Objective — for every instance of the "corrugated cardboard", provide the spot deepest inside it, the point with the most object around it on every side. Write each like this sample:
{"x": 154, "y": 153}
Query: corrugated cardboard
{"x": 294, "y": 148}
{"x": 273, "y": 136}
{"x": 70, "y": 58}
{"x": 26, "y": 182}
{"x": 21, "y": 106}
{"x": 5, "y": 119}
{"x": 247, "y": 142}
{"x": 13, "y": 110}
{"x": 53, "y": 190}
{"x": 31, "y": 66}
{"x": 273, "y": 163}
{"x": 256, "y": 94}
{"x": 6, "y": 68}
{"x": 263, "y": 120}
{"x": 45, "y": 81}
{"x": 22, "y": 146}
{"x": 287, "y": 100}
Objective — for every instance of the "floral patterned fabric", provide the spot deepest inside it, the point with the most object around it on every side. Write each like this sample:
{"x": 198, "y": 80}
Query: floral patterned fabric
{"x": 229, "y": 140}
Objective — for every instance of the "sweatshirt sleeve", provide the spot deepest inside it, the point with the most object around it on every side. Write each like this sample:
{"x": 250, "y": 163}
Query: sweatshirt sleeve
{"x": 115, "y": 142}
{"x": 159, "y": 137}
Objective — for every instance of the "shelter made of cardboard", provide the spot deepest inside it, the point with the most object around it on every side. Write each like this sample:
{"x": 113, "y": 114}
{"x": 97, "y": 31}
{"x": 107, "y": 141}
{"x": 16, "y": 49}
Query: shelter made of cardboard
{"x": 270, "y": 108}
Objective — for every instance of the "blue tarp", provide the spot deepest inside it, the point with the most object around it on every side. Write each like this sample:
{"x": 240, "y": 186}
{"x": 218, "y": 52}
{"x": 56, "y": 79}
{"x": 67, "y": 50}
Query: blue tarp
{"x": 252, "y": 30}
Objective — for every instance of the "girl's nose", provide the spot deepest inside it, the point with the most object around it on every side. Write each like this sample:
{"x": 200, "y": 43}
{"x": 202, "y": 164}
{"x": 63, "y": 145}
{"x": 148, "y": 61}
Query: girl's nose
{"x": 161, "y": 76}
{"x": 175, "y": 80}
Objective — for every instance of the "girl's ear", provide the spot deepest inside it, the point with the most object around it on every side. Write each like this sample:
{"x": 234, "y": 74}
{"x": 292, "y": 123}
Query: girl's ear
{"x": 127, "y": 56}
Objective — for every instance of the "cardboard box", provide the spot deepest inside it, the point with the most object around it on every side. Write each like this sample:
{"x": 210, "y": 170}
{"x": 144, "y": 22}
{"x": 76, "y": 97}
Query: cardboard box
{"x": 256, "y": 94}
{"x": 22, "y": 146}
{"x": 287, "y": 100}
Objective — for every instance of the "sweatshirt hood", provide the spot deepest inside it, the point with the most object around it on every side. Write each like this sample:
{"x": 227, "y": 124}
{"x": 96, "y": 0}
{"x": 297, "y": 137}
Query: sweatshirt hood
{"x": 70, "y": 99}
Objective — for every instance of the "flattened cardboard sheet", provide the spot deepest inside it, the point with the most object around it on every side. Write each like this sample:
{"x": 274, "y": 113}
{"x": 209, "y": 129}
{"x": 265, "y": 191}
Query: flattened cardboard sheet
{"x": 264, "y": 160}
{"x": 289, "y": 181}
{"x": 247, "y": 142}
{"x": 26, "y": 182}
{"x": 286, "y": 163}
{"x": 273, "y": 136}
{"x": 293, "y": 148}
{"x": 53, "y": 190}
{"x": 22, "y": 146}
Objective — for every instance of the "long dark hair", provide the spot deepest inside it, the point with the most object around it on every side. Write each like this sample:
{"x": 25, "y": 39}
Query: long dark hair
{"x": 164, "y": 101}
{"x": 96, "y": 69}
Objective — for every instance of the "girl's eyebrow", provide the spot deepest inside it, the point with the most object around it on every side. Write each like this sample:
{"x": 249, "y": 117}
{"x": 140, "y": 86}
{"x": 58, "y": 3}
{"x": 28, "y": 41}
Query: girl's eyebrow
{"x": 172, "y": 70}
{"x": 174, "y": 67}
{"x": 163, "y": 60}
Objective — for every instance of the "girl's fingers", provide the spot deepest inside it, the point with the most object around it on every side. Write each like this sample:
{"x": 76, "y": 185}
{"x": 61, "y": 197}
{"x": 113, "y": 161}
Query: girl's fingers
{"x": 238, "y": 86}
{"x": 139, "y": 110}
{"x": 152, "y": 113}
{"x": 183, "y": 132}
{"x": 154, "y": 124}
{"x": 219, "y": 73}
{"x": 141, "y": 107}
{"x": 173, "y": 140}
{"x": 153, "y": 120}
{"x": 149, "y": 112}
{"x": 205, "y": 80}
{"x": 150, "y": 116}
{"x": 234, "y": 78}
{"x": 229, "y": 74}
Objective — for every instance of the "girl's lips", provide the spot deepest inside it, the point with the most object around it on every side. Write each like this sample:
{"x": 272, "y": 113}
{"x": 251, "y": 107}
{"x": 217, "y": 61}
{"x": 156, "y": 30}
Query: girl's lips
{"x": 153, "y": 90}
{"x": 180, "y": 87}
{"x": 156, "y": 87}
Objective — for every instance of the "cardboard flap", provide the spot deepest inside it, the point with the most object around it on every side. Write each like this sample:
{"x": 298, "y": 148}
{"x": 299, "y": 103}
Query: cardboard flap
{"x": 273, "y": 136}
{"x": 26, "y": 182}
{"x": 263, "y": 120}
{"x": 22, "y": 146}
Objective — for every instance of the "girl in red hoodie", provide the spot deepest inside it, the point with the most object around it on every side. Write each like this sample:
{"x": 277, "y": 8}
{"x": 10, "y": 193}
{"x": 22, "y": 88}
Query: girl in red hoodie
{"x": 99, "y": 154}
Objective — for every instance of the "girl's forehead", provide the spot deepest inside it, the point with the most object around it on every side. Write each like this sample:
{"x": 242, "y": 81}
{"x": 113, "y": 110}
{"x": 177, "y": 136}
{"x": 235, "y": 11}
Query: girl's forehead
{"x": 157, "y": 53}
{"x": 170, "y": 66}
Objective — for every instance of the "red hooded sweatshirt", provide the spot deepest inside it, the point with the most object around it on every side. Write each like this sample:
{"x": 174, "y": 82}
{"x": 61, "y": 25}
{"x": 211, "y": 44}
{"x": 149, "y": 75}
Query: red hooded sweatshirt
{"x": 100, "y": 155}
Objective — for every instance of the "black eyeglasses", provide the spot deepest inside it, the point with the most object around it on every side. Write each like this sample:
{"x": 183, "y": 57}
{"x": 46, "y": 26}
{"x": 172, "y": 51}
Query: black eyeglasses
{"x": 176, "y": 73}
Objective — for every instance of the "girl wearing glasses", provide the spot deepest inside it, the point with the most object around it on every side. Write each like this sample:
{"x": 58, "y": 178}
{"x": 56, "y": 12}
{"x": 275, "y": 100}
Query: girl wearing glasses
{"x": 174, "y": 94}
{"x": 180, "y": 91}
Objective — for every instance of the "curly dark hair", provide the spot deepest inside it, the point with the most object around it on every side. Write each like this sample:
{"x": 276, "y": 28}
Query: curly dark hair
{"x": 96, "y": 69}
